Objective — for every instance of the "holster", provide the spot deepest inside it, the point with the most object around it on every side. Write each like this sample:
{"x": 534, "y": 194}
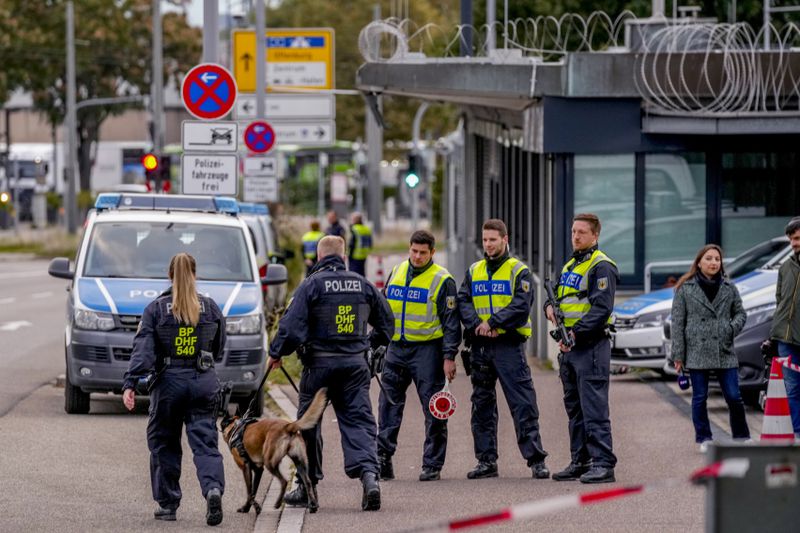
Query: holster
{"x": 466, "y": 359}
{"x": 205, "y": 361}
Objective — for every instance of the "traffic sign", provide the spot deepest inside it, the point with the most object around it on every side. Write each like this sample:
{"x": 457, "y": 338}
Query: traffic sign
{"x": 305, "y": 133}
{"x": 208, "y": 91}
{"x": 288, "y": 106}
{"x": 261, "y": 190}
{"x": 211, "y": 174}
{"x": 261, "y": 166}
{"x": 202, "y": 136}
{"x": 300, "y": 57}
{"x": 259, "y": 137}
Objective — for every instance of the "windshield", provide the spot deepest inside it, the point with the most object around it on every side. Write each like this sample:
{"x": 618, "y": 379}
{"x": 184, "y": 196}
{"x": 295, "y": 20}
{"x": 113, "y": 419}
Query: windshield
{"x": 754, "y": 258}
{"x": 144, "y": 250}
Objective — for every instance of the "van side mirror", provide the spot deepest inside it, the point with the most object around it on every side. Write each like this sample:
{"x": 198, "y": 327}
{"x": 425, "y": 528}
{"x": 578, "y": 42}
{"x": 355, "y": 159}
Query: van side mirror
{"x": 59, "y": 268}
{"x": 276, "y": 275}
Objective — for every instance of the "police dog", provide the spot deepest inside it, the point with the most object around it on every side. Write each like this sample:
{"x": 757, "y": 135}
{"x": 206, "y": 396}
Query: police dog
{"x": 267, "y": 442}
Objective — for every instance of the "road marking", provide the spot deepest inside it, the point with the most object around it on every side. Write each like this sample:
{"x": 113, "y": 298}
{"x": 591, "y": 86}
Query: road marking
{"x": 6, "y": 300}
{"x": 14, "y": 326}
{"x": 37, "y": 295}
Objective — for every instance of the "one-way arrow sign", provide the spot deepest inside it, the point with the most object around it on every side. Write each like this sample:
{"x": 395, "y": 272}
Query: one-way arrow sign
{"x": 261, "y": 167}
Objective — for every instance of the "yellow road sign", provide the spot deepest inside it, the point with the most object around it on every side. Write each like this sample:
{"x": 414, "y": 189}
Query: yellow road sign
{"x": 296, "y": 58}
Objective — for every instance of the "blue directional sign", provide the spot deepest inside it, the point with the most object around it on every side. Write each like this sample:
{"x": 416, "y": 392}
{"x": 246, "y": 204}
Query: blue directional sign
{"x": 209, "y": 91}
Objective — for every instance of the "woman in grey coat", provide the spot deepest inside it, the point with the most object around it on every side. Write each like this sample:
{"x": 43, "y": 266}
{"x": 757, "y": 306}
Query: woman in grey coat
{"x": 707, "y": 314}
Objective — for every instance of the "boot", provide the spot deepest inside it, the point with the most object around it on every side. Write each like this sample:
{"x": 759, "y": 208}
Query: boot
{"x": 163, "y": 513}
{"x": 571, "y": 472}
{"x": 540, "y": 470}
{"x": 214, "y": 510}
{"x": 298, "y": 497}
{"x": 387, "y": 469}
{"x": 483, "y": 470}
{"x": 599, "y": 474}
{"x": 430, "y": 474}
{"x": 371, "y": 500}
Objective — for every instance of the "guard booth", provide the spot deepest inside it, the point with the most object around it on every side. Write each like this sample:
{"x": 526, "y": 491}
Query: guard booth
{"x": 674, "y": 132}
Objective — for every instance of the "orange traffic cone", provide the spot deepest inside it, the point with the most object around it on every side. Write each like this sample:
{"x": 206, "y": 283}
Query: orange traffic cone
{"x": 379, "y": 282}
{"x": 777, "y": 419}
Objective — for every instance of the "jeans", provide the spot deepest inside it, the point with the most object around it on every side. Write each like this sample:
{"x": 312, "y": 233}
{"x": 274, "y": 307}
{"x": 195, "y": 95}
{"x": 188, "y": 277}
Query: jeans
{"x": 792, "y": 380}
{"x": 729, "y": 382}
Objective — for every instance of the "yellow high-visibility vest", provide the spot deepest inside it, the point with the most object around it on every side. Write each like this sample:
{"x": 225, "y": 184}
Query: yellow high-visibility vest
{"x": 413, "y": 302}
{"x": 310, "y": 240}
{"x": 573, "y": 287}
{"x": 362, "y": 241}
{"x": 490, "y": 294}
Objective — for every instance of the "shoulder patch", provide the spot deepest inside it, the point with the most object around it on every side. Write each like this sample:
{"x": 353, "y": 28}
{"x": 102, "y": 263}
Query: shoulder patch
{"x": 526, "y": 286}
{"x": 451, "y": 302}
{"x": 602, "y": 283}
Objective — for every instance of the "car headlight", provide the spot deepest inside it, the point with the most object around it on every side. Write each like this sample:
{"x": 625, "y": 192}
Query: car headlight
{"x": 243, "y": 325}
{"x": 651, "y": 320}
{"x": 85, "y": 319}
{"x": 758, "y": 315}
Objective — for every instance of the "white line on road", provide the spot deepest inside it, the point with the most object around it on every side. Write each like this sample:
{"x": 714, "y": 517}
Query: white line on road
{"x": 45, "y": 294}
{"x": 4, "y": 301}
{"x": 14, "y": 326}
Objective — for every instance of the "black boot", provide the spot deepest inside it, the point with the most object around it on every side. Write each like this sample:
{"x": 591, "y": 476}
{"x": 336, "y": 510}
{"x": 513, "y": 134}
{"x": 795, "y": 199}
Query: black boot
{"x": 163, "y": 513}
{"x": 214, "y": 510}
{"x": 540, "y": 470}
{"x": 387, "y": 469}
{"x": 571, "y": 472}
{"x": 483, "y": 470}
{"x": 298, "y": 497}
{"x": 371, "y": 500}
{"x": 430, "y": 474}
{"x": 598, "y": 474}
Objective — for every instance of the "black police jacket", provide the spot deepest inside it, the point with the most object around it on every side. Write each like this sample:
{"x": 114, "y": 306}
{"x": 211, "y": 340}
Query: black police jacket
{"x": 160, "y": 335}
{"x": 330, "y": 312}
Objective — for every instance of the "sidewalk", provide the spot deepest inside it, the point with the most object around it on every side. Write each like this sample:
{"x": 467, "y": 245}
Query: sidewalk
{"x": 652, "y": 439}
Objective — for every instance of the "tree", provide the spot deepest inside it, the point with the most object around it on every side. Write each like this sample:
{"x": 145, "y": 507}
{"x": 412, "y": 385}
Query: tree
{"x": 113, "y": 58}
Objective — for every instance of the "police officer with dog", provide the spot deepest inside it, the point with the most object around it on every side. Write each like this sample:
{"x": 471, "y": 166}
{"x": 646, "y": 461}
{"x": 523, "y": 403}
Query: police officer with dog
{"x": 327, "y": 322}
{"x": 427, "y": 333}
{"x": 495, "y": 303}
{"x": 179, "y": 336}
{"x": 585, "y": 296}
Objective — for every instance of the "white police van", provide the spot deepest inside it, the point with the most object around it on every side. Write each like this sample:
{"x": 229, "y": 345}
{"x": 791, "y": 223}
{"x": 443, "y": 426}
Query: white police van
{"x": 121, "y": 266}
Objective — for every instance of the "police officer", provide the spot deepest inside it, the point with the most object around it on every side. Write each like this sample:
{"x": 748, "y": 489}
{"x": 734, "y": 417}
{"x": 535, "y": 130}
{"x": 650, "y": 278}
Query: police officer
{"x": 310, "y": 240}
{"x": 495, "y": 303}
{"x": 179, "y": 336}
{"x": 427, "y": 334}
{"x": 327, "y": 319}
{"x": 586, "y": 298}
{"x": 360, "y": 244}
{"x": 335, "y": 227}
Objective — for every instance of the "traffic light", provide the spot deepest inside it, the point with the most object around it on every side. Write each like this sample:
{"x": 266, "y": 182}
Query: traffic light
{"x": 156, "y": 172}
{"x": 4, "y": 197}
{"x": 414, "y": 172}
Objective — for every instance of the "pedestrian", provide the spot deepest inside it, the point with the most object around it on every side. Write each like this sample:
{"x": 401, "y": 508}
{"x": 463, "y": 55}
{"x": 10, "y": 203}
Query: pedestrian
{"x": 707, "y": 314}
{"x": 180, "y": 335}
{"x": 427, "y": 333}
{"x": 360, "y": 244}
{"x": 310, "y": 240}
{"x": 786, "y": 324}
{"x": 334, "y": 226}
{"x": 495, "y": 302}
{"x": 326, "y": 322}
{"x": 586, "y": 298}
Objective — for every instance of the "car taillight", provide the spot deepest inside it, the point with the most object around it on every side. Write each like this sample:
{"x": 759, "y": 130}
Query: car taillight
{"x": 262, "y": 272}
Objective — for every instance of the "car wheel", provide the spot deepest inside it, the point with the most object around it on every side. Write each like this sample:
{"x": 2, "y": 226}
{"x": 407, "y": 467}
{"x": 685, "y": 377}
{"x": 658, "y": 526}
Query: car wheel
{"x": 244, "y": 403}
{"x": 76, "y": 402}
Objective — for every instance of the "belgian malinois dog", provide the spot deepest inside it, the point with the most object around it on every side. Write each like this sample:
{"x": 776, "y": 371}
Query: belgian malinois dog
{"x": 267, "y": 442}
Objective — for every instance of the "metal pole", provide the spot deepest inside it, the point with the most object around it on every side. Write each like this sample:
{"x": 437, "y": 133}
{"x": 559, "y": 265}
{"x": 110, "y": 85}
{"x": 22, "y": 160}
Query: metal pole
{"x": 261, "y": 59}
{"x": 15, "y": 198}
{"x": 505, "y": 25}
{"x": 374, "y": 156}
{"x": 767, "y": 19}
{"x": 657, "y": 10}
{"x": 210, "y": 31}
{"x": 323, "y": 166}
{"x": 491, "y": 19}
{"x": 157, "y": 87}
{"x": 465, "y": 44}
{"x": 71, "y": 123}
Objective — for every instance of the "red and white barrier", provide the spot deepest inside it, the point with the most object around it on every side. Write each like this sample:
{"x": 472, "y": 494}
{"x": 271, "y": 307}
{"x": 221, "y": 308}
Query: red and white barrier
{"x": 728, "y": 468}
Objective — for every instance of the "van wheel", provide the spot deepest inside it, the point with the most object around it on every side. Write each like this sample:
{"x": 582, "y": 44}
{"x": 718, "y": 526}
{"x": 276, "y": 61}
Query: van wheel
{"x": 244, "y": 403}
{"x": 76, "y": 402}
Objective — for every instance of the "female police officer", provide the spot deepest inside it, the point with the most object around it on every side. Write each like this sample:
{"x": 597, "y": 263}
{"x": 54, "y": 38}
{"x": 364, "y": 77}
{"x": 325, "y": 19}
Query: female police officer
{"x": 180, "y": 334}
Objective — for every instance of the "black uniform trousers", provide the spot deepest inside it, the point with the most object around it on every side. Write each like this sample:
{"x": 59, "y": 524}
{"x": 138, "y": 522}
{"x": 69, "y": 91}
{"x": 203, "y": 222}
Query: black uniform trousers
{"x": 421, "y": 363}
{"x": 183, "y": 396}
{"x": 585, "y": 377}
{"x": 347, "y": 379}
{"x": 504, "y": 360}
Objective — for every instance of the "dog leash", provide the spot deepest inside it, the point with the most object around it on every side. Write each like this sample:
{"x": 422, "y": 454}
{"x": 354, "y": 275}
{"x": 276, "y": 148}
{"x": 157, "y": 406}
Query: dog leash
{"x": 291, "y": 381}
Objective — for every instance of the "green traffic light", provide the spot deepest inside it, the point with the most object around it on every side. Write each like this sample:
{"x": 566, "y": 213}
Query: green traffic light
{"x": 412, "y": 180}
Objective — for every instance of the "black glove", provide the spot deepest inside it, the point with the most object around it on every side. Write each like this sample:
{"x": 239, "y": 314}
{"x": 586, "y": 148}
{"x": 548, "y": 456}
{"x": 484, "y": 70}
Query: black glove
{"x": 375, "y": 360}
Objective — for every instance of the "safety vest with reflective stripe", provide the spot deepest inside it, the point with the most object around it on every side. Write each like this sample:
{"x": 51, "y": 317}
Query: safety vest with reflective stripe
{"x": 413, "y": 302}
{"x": 492, "y": 293}
{"x": 362, "y": 241}
{"x": 573, "y": 287}
{"x": 310, "y": 240}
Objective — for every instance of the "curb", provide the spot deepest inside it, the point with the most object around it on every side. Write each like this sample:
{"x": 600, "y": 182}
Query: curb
{"x": 284, "y": 519}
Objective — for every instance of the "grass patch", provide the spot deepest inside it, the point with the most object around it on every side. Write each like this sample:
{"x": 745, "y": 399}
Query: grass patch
{"x": 47, "y": 243}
